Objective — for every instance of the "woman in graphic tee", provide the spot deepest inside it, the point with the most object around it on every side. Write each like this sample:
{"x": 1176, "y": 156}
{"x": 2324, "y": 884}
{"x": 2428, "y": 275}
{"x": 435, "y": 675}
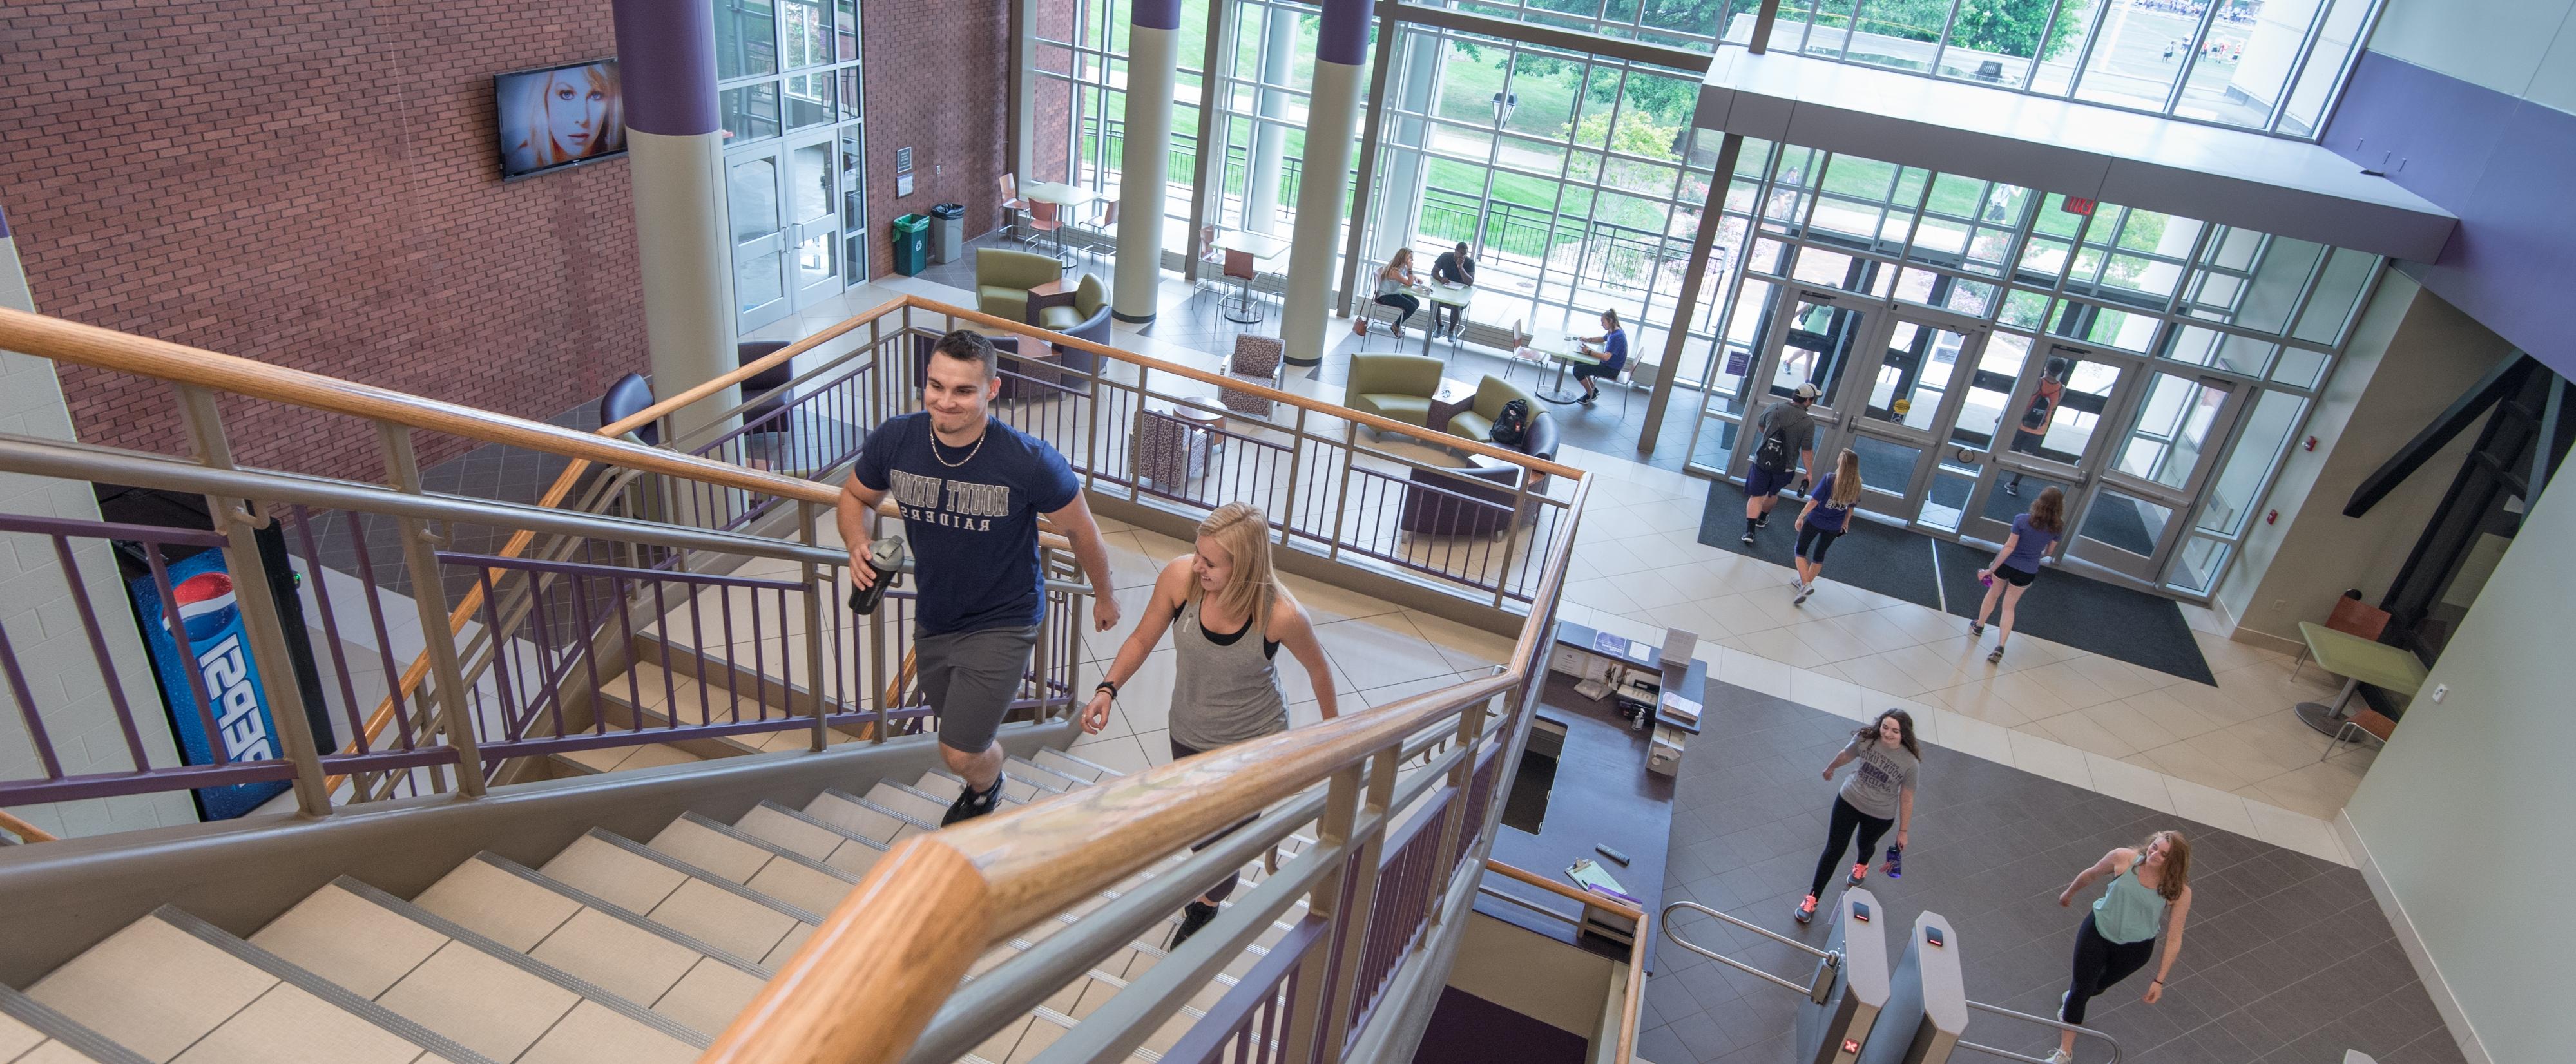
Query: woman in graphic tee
{"x": 1880, "y": 793}
{"x": 2017, "y": 564}
{"x": 1826, "y": 518}
{"x": 1228, "y": 616}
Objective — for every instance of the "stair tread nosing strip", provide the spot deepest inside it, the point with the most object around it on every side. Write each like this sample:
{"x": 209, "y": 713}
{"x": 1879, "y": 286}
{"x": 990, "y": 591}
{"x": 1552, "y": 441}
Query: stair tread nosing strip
{"x": 337, "y": 996}
{"x": 765, "y": 846}
{"x": 838, "y": 831}
{"x": 711, "y": 879}
{"x": 524, "y": 962}
{"x": 610, "y": 908}
{"x": 70, "y": 1032}
{"x": 856, "y": 800}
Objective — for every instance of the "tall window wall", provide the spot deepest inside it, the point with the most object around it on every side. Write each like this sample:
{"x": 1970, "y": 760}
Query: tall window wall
{"x": 1079, "y": 89}
{"x": 2270, "y": 65}
{"x": 789, "y": 98}
{"x": 2181, "y": 340}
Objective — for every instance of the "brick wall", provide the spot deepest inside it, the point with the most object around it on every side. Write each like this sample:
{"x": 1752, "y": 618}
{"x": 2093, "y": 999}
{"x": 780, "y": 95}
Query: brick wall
{"x": 313, "y": 185}
{"x": 939, "y": 83}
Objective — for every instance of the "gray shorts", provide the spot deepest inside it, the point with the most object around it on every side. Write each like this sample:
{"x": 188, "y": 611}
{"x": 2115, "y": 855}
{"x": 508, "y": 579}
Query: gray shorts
{"x": 970, "y": 678}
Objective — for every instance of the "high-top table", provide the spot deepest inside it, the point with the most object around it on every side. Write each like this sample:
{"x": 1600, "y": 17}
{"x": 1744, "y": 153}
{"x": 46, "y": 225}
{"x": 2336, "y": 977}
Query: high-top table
{"x": 1443, "y": 294}
{"x": 1556, "y": 391}
{"x": 1261, "y": 247}
{"x": 2358, "y": 661}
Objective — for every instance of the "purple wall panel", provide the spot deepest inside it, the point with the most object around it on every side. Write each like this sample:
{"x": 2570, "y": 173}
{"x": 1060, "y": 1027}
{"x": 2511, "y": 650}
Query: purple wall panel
{"x": 2502, "y": 164}
{"x": 1344, "y": 33}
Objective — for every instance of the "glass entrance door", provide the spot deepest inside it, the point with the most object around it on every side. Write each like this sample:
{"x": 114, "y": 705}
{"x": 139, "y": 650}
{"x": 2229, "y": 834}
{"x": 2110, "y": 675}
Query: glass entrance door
{"x": 759, "y": 239}
{"x": 814, "y": 220}
{"x": 2045, "y": 434}
{"x": 785, "y": 202}
{"x": 1811, "y": 339}
{"x": 2135, "y": 508}
{"x": 1895, "y": 407}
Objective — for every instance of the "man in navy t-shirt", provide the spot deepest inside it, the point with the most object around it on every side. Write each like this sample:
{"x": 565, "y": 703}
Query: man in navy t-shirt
{"x": 971, "y": 489}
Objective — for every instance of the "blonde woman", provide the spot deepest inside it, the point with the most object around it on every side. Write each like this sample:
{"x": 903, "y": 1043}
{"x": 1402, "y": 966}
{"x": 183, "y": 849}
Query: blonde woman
{"x": 2150, "y": 891}
{"x": 562, "y": 115}
{"x": 1826, "y": 518}
{"x": 1229, "y": 617}
{"x": 1395, "y": 284}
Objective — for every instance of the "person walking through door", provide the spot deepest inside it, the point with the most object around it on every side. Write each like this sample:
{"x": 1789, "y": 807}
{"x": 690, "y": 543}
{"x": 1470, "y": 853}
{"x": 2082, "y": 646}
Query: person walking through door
{"x": 1880, "y": 793}
{"x": 1231, "y": 617}
{"x": 1826, "y": 517}
{"x": 2033, "y": 429}
{"x": 2016, "y": 564}
{"x": 2150, "y": 890}
{"x": 971, "y": 490}
{"x": 1395, "y": 283}
{"x": 1787, "y": 433}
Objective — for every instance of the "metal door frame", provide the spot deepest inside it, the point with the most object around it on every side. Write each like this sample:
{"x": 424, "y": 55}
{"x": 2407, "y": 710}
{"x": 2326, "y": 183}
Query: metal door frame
{"x": 2137, "y": 383}
{"x": 830, "y": 225}
{"x": 1760, "y": 390}
{"x": 776, "y": 244}
{"x": 1851, "y": 413}
{"x": 2000, "y": 458}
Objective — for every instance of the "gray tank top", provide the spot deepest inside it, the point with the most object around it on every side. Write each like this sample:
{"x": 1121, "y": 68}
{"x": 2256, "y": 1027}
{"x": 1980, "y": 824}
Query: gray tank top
{"x": 1222, "y": 694}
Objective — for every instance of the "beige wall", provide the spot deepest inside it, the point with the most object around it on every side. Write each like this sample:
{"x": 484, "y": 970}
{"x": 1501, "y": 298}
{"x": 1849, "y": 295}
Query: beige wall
{"x": 44, "y": 624}
{"x": 2410, "y": 356}
{"x": 2462, "y": 820}
{"x": 1539, "y": 977}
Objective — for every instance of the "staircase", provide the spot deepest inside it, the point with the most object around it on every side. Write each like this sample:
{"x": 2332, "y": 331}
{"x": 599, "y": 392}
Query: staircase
{"x": 614, "y": 951}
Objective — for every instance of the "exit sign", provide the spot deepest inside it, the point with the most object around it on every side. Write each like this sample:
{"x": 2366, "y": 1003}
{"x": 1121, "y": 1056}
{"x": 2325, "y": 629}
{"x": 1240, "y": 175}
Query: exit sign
{"x": 2077, "y": 206}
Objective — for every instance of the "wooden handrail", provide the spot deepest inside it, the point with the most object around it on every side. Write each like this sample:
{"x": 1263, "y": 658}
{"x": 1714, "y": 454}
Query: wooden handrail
{"x": 1636, "y": 945}
{"x": 25, "y": 831}
{"x": 1035, "y": 860}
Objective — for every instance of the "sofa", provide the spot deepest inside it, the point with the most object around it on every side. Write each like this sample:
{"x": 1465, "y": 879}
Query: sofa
{"x": 1477, "y": 421}
{"x": 1474, "y": 502}
{"x": 1084, "y": 315}
{"x": 1395, "y": 387}
{"x": 1003, "y": 279}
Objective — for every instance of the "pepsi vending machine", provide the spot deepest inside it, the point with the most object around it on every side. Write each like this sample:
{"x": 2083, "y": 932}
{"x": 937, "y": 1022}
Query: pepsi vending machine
{"x": 217, "y": 649}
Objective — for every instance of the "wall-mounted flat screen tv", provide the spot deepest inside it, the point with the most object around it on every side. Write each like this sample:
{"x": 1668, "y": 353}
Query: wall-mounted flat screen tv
{"x": 552, "y": 118}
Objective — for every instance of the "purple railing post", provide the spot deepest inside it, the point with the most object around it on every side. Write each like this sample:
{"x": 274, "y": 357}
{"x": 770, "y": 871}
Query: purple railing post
{"x": 98, "y": 653}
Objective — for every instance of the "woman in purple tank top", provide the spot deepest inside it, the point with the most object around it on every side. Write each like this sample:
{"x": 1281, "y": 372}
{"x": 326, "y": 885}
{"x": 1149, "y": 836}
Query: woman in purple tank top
{"x": 2017, "y": 564}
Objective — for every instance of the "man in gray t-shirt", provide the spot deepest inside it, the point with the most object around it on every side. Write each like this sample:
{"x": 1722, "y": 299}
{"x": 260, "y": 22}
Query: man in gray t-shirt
{"x": 1787, "y": 419}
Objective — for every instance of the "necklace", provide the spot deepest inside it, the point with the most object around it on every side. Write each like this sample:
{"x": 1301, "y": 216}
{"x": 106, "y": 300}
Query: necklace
{"x": 970, "y": 454}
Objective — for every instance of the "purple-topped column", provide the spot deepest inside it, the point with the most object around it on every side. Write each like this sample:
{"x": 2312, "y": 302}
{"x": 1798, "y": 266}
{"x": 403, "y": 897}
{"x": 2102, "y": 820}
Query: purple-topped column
{"x": 1152, "y": 61}
{"x": 675, "y": 157}
{"x": 1323, "y": 190}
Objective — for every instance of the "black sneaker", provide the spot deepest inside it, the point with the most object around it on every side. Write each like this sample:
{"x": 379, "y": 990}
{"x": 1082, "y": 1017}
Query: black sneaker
{"x": 1194, "y": 916}
{"x": 1587, "y": 400}
{"x": 1976, "y": 627}
{"x": 1763, "y": 521}
{"x": 970, "y": 805}
{"x": 2013, "y": 489}
{"x": 1748, "y": 539}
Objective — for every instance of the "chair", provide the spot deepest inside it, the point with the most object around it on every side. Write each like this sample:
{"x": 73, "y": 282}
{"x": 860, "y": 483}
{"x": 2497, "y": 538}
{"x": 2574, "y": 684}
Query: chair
{"x": 1211, "y": 257}
{"x": 1523, "y": 353}
{"x": 1258, "y": 359}
{"x": 2352, "y": 617}
{"x": 626, "y": 397}
{"x": 1003, "y": 278}
{"x": 1477, "y": 421}
{"x": 1047, "y": 218}
{"x": 1103, "y": 234}
{"x": 770, "y": 416}
{"x": 1085, "y": 316}
{"x": 1238, "y": 265}
{"x": 1458, "y": 502}
{"x": 2366, "y": 721}
{"x": 1012, "y": 205}
{"x": 1169, "y": 451}
{"x": 1395, "y": 387}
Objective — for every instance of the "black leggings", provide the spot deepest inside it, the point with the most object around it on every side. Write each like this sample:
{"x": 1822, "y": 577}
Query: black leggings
{"x": 1813, "y": 542}
{"x": 1846, "y": 820}
{"x": 2099, "y": 964}
{"x": 1222, "y": 890}
{"x": 1404, "y": 306}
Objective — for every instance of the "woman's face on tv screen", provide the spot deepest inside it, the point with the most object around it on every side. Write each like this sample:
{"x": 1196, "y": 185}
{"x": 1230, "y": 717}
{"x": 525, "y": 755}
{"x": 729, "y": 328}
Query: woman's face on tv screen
{"x": 574, "y": 110}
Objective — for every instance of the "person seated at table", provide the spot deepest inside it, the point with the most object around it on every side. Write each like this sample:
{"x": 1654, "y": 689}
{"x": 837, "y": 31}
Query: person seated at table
{"x": 1613, "y": 353}
{"x": 1395, "y": 284}
{"x": 1456, "y": 267}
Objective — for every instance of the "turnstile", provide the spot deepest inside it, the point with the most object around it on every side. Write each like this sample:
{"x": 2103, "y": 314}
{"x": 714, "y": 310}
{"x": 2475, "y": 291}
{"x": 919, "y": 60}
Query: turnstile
{"x": 1846, "y": 993}
{"x": 1927, "y": 1003}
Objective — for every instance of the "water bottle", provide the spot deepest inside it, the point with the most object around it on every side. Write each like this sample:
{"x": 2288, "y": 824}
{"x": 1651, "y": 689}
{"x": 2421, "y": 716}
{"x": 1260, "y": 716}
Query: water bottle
{"x": 1895, "y": 855}
{"x": 885, "y": 558}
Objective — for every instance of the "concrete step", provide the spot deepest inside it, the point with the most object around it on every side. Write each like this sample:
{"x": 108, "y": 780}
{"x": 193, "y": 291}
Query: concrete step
{"x": 765, "y": 867}
{"x": 865, "y": 819}
{"x": 33, "y": 1033}
{"x": 466, "y": 986}
{"x": 690, "y": 901}
{"x": 170, "y": 985}
{"x": 811, "y": 837}
{"x": 1072, "y": 767}
{"x": 944, "y": 788}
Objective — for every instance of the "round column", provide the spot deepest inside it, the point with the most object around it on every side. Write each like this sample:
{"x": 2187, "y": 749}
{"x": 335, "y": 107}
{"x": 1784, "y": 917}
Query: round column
{"x": 675, "y": 157}
{"x": 1152, "y": 59}
{"x": 1323, "y": 193}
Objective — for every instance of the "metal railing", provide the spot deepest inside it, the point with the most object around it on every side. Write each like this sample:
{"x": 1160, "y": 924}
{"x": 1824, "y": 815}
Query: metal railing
{"x": 1632, "y": 991}
{"x": 2083, "y": 1032}
{"x": 1818, "y": 988}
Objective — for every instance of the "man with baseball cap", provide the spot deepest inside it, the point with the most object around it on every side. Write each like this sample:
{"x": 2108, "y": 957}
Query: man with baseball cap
{"x": 1786, "y": 431}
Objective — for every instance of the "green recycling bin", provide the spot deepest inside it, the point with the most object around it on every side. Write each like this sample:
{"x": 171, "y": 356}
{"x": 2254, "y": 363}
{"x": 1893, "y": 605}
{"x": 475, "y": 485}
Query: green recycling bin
{"x": 911, "y": 244}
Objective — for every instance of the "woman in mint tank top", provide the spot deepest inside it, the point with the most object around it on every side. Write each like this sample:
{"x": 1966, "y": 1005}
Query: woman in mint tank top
{"x": 2150, "y": 890}
{"x": 1228, "y": 617}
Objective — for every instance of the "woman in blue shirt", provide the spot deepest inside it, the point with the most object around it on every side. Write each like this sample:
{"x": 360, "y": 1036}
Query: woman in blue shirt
{"x": 1826, "y": 518}
{"x": 1613, "y": 353}
{"x": 2017, "y": 564}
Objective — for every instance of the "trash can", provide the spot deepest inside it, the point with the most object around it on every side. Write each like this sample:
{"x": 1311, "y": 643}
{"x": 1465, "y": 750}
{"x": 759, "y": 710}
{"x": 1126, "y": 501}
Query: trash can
{"x": 948, "y": 231}
{"x": 911, "y": 244}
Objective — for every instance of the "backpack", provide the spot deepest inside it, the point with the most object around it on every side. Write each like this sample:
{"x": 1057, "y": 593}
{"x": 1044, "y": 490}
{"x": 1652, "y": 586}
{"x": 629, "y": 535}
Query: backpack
{"x": 1773, "y": 456}
{"x": 1511, "y": 423}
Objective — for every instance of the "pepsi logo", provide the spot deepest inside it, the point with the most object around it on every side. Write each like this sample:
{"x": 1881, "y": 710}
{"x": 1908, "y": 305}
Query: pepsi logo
{"x": 206, "y": 604}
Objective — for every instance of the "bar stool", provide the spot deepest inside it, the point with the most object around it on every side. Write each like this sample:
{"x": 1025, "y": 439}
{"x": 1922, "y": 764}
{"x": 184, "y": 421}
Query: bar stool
{"x": 1104, "y": 233}
{"x": 1238, "y": 265}
{"x": 1043, "y": 218}
{"x": 1012, "y": 205}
